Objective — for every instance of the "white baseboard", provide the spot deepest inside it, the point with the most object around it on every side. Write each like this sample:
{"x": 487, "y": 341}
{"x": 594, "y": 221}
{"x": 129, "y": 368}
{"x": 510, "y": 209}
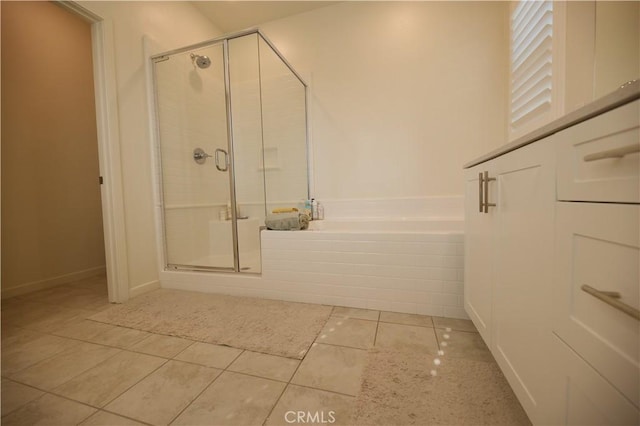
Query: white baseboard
{"x": 52, "y": 282}
{"x": 144, "y": 288}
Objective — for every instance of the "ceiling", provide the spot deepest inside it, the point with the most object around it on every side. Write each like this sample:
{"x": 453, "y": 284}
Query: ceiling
{"x": 232, "y": 16}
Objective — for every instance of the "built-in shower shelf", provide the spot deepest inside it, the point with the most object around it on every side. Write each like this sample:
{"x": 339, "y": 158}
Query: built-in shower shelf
{"x": 271, "y": 159}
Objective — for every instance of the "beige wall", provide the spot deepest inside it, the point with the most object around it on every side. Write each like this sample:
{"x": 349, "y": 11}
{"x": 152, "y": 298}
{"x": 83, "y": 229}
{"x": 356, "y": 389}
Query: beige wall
{"x": 51, "y": 211}
{"x": 402, "y": 93}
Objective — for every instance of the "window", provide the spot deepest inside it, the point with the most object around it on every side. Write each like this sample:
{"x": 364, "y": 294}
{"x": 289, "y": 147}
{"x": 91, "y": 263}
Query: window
{"x": 532, "y": 69}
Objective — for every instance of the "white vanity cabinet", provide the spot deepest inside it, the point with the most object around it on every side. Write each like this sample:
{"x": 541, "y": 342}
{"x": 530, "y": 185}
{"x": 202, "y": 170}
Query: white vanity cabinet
{"x": 552, "y": 268}
{"x": 597, "y": 269}
{"x": 480, "y": 229}
{"x": 509, "y": 265}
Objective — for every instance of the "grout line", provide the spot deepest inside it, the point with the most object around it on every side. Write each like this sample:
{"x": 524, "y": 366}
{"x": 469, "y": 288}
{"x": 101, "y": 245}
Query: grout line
{"x": 136, "y": 383}
{"x": 348, "y": 347}
{"x": 324, "y": 390}
{"x": 3, "y": 414}
{"x": 103, "y": 410}
{"x": 222, "y": 371}
{"x": 196, "y": 397}
{"x": 57, "y": 396}
{"x": 375, "y": 336}
{"x": 289, "y": 383}
{"x": 437, "y": 338}
{"x": 284, "y": 389}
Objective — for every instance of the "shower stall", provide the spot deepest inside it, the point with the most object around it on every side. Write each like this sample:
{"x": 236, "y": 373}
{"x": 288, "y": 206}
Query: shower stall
{"x": 231, "y": 118}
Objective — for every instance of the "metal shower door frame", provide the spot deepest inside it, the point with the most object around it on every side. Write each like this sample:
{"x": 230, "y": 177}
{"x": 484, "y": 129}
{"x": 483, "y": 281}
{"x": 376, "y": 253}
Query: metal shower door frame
{"x": 231, "y": 177}
{"x": 224, "y": 40}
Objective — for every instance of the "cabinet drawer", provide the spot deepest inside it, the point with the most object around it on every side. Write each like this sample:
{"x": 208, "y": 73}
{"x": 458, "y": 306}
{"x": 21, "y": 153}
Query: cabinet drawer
{"x": 586, "y": 173}
{"x": 584, "y": 397}
{"x": 597, "y": 245}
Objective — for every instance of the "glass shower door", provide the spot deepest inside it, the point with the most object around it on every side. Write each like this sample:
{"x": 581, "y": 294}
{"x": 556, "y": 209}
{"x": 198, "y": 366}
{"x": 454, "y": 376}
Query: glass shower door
{"x": 194, "y": 157}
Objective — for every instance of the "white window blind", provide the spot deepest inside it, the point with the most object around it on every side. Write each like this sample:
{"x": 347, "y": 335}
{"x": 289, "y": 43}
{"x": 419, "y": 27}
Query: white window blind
{"x": 531, "y": 62}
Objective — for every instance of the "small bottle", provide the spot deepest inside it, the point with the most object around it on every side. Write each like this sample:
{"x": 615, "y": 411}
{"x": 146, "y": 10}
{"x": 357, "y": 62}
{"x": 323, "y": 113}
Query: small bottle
{"x": 320, "y": 211}
{"x": 307, "y": 208}
{"x": 314, "y": 209}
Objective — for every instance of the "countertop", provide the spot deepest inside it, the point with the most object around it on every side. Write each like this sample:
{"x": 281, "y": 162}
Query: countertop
{"x": 623, "y": 95}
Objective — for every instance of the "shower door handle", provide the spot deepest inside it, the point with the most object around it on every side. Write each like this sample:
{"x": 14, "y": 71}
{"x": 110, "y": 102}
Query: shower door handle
{"x": 225, "y": 167}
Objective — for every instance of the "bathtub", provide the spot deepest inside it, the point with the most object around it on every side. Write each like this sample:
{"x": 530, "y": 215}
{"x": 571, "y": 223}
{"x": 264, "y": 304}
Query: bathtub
{"x": 386, "y": 225}
{"x": 392, "y": 264}
{"x": 363, "y": 256}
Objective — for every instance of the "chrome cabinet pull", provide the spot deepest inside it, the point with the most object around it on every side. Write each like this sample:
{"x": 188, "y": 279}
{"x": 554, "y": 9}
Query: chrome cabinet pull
{"x": 487, "y": 204}
{"x": 226, "y": 160}
{"x": 611, "y": 299}
{"x": 480, "y": 180}
{"x": 613, "y": 153}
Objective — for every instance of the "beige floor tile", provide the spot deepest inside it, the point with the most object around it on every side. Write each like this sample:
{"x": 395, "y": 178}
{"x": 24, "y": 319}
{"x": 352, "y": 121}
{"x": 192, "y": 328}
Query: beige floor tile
{"x": 454, "y": 324}
{"x": 406, "y": 319}
{"x": 60, "y": 368}
{"x": 332, "y": 368}
{"x": 165, "y": 393}
{"x": 263, "y": 365}
{"x": 98, "y": 283}
{"x": 159, "y": 345}
{"x": 49, "y": 410}
{"x": 9, "y": 330}
{"x": 233, "y": 399}
{"x": 71, "y": 297}
{"x": 209, "y": 355}
{"x": 354, "y": 333}
{"x": 465, "y": 345}
{"x": 15, "y": 395}
{"x": 28, "y": 313}
{"x": 324, "y": 407}
{"x": 406, "y": 338}
{"x": 83, "y": 329}
{"x": 30, "y": 348}
{"x": 102, "y": 418}
{"x": 61, "y": 295}
{"x": 12, "y": 301}
{"x": 56, "y": 321}
{"x": 101, "y": 384}
{"x": 16, "y": 336}
{"x": 120, "y": 337}
{"x": 96, "y": 303}
{"x": 365, "y": 314}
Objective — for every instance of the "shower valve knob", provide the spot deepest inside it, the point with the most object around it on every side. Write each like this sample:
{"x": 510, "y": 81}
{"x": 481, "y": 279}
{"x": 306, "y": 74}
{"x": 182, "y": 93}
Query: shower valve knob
{"x": 199, "y": 156}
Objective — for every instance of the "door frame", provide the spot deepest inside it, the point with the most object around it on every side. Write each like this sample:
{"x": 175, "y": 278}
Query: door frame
{"x": 108, "y": 132}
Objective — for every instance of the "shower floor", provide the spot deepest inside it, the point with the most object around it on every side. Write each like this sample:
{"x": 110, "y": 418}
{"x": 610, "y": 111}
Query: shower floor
{"x": 249, "y": 261}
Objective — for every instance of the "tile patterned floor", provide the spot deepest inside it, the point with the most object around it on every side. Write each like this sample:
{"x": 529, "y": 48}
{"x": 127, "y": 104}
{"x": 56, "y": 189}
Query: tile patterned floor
{"x": 60, "y": 368}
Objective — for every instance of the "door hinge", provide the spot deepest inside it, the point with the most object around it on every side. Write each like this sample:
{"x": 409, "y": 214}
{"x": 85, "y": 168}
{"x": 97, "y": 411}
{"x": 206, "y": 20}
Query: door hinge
{"x": 100, "y": 180}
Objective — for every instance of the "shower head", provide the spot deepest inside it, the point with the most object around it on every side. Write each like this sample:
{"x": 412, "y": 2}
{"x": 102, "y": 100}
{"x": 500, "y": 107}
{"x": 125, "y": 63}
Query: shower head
{"x": 201, "y": 61}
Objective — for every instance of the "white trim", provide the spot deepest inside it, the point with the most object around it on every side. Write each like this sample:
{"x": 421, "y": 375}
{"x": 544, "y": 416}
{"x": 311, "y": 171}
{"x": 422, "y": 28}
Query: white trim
{"x": 144, "y": 288}
{"x": 559, "y": 59}
{"x": 115, "y": 234}
{"x": 52, "y": 282}
{"x": 108, "y": 127}
{"x": 73, "y": 7}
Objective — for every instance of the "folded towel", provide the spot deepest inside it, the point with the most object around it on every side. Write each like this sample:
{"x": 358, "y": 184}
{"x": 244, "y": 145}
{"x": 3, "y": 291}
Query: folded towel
{"x": 287, "y": 221}
{"x": 284, "y": 210}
